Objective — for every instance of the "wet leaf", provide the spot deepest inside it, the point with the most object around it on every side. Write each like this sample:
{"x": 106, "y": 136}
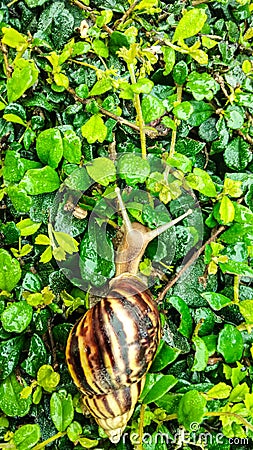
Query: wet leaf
{"x": 11, "y": 402}
{"x": 9, "y": 355}
{"x": 94, "y": 129}
{"x": 201, "y": 354}
{"x": 37, "y": 356}
{"x": 17, "y": 316}
{"x": 230, "y": 343}
{"x": 152, "y": 108}
{"x": 10, "y": 272}
{"x": 49, "y": 147}
{"x": 192, "y": 408}
{"x": 169, "y": 59}
{"x": 61, "y": 410}
{"x": 237, "y": 154}
{"x": 215, "y": 300}
{"x": 165, "y": 355}
{"x": 24, "y": 76}
{"x": 39, "y": 181}
{"x": 27, "y": 436}
{"x": 102, "y": 170}
{"x": 185, "y": 327}
{"x": 160, "y": 387}
{"x": 190, "y": 24}
{"x": 27, "y": 227}
{"x": 48, "y": 378}
{"x": 133, "y": 169}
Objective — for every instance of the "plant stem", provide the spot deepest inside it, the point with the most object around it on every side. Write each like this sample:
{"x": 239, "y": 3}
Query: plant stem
{"x": 141, "y": 426}
{"x": 127, "y": 14}
{"x": 236, "y": 288}
{"x": 177, "y": 122}
{"x": 230, "y": 414}
{"x": 49, "y": 440}
{"x": 188, "y": 264}
{"x": 140, "y": 121}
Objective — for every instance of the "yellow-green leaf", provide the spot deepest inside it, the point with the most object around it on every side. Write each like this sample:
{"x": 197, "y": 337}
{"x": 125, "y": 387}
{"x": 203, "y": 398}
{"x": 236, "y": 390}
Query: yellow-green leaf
{"x": 42, "y": 239}
{"x": 27, "y": 227}
{"x": 46, "y": 255}
{"x": 220, "y": 390}
{"x": 227, "y": 210}
{"x": 66, "y": 242}
{"x": 14, "y": 39}
{"x": 190, "y": 24}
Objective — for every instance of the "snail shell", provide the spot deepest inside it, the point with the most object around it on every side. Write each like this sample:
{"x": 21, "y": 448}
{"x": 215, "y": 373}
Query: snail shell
{"x": 110, "y": 350}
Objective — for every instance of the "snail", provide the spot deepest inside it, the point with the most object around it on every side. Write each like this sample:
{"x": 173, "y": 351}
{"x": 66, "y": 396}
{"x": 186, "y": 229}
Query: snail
{"x": 111, "y": 348}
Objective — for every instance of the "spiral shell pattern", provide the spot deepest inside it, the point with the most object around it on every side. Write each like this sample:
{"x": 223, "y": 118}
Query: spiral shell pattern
{"x": 110, "y": 350}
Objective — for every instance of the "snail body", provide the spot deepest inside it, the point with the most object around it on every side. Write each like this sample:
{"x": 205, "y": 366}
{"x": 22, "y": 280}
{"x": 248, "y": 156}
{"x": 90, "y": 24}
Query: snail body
{"x": 111, "y": 348}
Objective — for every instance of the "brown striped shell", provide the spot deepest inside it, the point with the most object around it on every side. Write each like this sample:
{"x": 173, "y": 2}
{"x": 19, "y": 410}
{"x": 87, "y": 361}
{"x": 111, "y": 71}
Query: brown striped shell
{"x": 110, "y": 350}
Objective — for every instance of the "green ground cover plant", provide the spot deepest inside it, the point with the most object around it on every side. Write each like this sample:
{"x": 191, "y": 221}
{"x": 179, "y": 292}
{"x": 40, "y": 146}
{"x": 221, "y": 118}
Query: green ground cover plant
{"x": 157, "y": 97}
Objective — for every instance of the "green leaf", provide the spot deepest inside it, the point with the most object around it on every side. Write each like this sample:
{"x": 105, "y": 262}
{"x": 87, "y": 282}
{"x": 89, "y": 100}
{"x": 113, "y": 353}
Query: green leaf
{"x": 185, "y": 327}
{"x": 94, "y": 129}
{"x": 11, "y": 402}
{"x": 14, "y": 118}
{"x": 100, "y": 48}
{"x": 201, "y": 354}
{"x": 180, "y": 73}
{"x": 72, "y": 147}
{"x": 97, "y": 258}
{"x": 100, "y": 87}
{"x": 66, "y": 242}
{"x": 102, "y": 170}
{"x": 10, "y": 351}
{"x": 239, "y": 393}
{"x": 10, "y": 272}
{"x": 48, "y": 378}
{"x": 27, "y": 227}
{"x": 26, "y": 436}
{"x": 192, "y": 408}
{"x": 180, "y": 162}
{"x": 215, "y": 300}
{"x": 61, "y": 80}
{"x": 152, "y": 108}
{"x": 74, "y": 430}
{"x": 183, "y": 111}
{"x": 39, "y": 181}
{"x": 49, "y": 147}
{"x": 163, "y": 385}
{"x": 246, "y": 309}
{"x": 34, "y": 3}
{"x": 13, "y": 169}
{"x": 143, "y": 86}
{"x": 190, "y": 24}
{"x": 133, "y": 169}
{"x": 23, "y": 77}
{"x": 169, "y": 57}
{"x": 19, "y": 198}
{"x": 61, "y": 410}
{"x": 202, "y": 85}
{"x": 227, "y": 210}
{"x": 230, "y": 343}
{"x": 36, "y": 357}
{"x": 220, "y": 391}
{"x": 14, "y": 39}
{"x": 17, "y": 316}
{"x": 165, "y": 355}
{"x": 202, "y": 182}
{"x": 235, "y": 117}
{"x": 237, "y": 154}
{"x": 236, "y": 268}
{"x": 201, "y": 112}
